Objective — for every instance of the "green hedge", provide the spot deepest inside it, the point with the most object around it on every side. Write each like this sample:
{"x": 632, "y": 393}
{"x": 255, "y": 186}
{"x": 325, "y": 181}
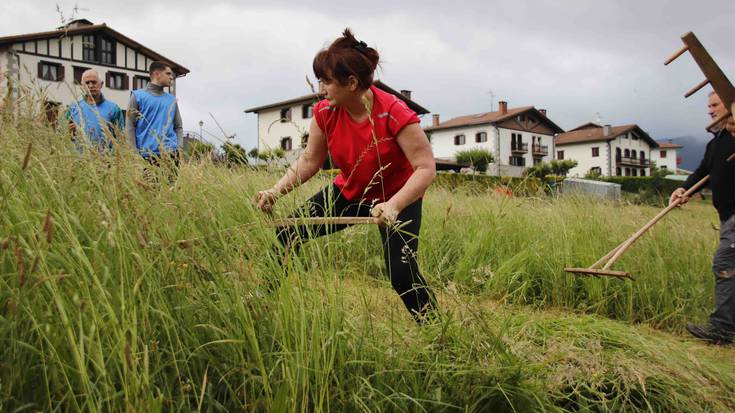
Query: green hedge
{"x": 644, "y": 183}
{"x": 486, "y": 183}
{"x": 652, "y": 190}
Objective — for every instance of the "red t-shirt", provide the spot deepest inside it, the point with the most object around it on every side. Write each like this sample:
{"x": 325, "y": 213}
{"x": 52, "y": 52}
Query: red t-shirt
{"x": 354, "y": 151}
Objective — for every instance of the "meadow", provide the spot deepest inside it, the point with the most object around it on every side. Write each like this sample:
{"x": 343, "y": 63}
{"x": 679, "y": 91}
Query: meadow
{"x": 102, "y": 310}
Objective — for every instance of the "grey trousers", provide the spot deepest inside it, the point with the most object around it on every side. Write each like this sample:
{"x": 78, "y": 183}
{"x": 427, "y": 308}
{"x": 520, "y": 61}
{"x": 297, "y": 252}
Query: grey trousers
{"x": 723, "y": 266}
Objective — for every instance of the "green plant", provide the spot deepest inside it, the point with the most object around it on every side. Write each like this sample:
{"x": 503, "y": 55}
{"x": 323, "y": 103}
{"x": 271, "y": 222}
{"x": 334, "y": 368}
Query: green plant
{"x": 477, "y": 157}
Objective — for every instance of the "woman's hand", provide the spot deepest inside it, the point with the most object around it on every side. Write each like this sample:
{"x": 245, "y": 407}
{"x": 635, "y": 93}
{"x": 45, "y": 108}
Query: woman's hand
{"x": 385, "y": 214}
{"x": 265, "y": 200}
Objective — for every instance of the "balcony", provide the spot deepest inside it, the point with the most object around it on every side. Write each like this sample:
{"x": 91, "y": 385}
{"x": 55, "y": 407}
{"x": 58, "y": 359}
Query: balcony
{"x": 622, "y": 160}
{"x": 519, "y": 148}
{"x": 539, "y": 150}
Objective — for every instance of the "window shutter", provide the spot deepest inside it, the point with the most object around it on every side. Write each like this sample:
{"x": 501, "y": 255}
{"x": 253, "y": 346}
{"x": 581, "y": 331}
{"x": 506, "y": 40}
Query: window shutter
{"x": 60, "y": 73}
{"x": 107, "y": 79}
{"x": 40, "y": 70}
{"x": 126, "y": 82}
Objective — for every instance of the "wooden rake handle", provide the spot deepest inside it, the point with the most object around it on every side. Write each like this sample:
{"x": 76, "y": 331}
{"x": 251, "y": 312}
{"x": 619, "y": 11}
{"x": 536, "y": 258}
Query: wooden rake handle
{"x": 613, "y": 255}
{"x": 287, "y": 222}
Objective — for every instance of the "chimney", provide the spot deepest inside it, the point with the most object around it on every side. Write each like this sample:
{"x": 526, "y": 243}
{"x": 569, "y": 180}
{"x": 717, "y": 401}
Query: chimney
{"x": 503, "y": 107}
{"x": 435, "y": 119}
{"x": 543, "y": 111}
{"x": 406, "y": 94}
{"x": 606, "y": 130}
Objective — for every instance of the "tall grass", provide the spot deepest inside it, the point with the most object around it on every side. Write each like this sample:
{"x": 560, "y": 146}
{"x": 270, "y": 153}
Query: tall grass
{"x": 101, "y": 311}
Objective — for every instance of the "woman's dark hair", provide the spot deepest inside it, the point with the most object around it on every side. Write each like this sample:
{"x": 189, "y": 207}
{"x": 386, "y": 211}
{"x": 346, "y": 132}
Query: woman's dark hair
{"x": 347, "y": 57}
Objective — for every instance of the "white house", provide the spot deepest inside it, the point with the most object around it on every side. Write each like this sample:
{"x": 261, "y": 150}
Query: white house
{"x": 517, "y": 137}
{"x": 285, "y": 124}
{"x": 52, "y": 63}
{"x": 666, "y": 156}
{"x": 607, "y": 150}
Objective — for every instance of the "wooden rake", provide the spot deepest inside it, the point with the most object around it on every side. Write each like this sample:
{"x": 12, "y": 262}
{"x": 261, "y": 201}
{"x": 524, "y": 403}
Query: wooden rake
{"x": 725, "y": 90}
{"x": 188, "y": 243}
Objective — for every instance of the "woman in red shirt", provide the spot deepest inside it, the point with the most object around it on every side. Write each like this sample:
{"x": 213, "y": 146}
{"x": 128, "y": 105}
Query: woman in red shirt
{"x": 385, "y": 163}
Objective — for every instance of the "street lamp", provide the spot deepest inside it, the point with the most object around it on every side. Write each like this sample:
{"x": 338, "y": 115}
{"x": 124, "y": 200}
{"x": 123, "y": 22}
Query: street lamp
{"x": 201, "y": 126}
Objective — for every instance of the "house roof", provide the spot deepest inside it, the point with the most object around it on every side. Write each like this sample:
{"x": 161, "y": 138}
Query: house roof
{"x": 592, "y": 132}
{"x": 668, "y": 145}
{"x": 83, "y": 26}
{"x": 313, "y": 97}
{"x": 492, "y": 117}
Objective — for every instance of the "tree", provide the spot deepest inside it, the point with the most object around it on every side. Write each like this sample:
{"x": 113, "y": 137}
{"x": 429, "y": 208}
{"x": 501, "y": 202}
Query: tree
{"x": 235, "y": 154}
{"x": 562, "y": 167}
{"x": 197, "y": 149}
{"x": 478, "y": 158}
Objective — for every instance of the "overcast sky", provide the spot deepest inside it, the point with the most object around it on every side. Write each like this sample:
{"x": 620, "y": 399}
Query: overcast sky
{"x": 577, "y": 59}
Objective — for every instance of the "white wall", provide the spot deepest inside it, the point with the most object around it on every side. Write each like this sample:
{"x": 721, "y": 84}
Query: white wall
{"x": 442, "y": 141}
{"x": 66, "y": 92}
{"x": 271, "y": 130}
{"x": 669, "y": 162}
{"x": 498, "y": 142}
{"x": 628, "y": 141}
{"x": 582, "y": 153}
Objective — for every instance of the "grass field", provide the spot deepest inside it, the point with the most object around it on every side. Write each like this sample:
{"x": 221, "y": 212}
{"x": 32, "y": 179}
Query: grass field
{"x": 101, "y": 311}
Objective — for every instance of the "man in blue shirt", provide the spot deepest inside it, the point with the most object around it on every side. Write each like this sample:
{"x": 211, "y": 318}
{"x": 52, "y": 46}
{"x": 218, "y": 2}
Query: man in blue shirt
{"x": 153, "y": 119}
{"x": 95, "y": 120}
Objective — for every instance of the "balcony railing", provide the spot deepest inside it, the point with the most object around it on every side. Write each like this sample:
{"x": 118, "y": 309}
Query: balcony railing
{"x": 540, "y": 150}
{"x": 519, "y": 148}
{"x": 622, "y": 160}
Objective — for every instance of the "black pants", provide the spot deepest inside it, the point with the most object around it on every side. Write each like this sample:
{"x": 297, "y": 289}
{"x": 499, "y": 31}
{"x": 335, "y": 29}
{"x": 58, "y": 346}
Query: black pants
{"x": 400, "y": 246}
{"x": 168, "y": 163}
{"x": 723, "y": 266}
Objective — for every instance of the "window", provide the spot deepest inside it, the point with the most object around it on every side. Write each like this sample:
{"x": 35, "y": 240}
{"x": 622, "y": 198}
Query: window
{"x": 627, "y": 153}
{"x": 78, "y": 72}
{"x": 663, "y": 167}
{"x": 459, "y": 140}
{"x": 307, "y": 111}
{"x": 662, "y": 154}
{"x": 643, "y": 172}
{"x": 481, "y": 137}
{"x": 560, "y": 155}
{"x": 107, "y": 51}
{"x": 517, "y": 161}
{"x": 643, "y": 156}
{"x": 595, "y": 152}
{"x": 596, "y": 170}
{"x": 633, "y": 154}
{"x": 118, "y": 81}
{"x": 618, "y": 172}
{"x": 89, "y": 48}
{"x": 140, "y": 82}
{"x": 286, "y": 143}
{"x": 285, "y": 115}
{"x": 537, "y": 161}
{"x": 635, "y": 172}
{"x": 304, "y": 139}
{"x": 50, "y": 71}
{"x": 627, "y": 171}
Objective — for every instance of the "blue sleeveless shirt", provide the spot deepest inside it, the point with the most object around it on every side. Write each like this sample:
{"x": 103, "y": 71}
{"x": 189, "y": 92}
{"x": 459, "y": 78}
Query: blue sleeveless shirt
{"x": 154, "y": 129}
{"x": 96, "y": 120}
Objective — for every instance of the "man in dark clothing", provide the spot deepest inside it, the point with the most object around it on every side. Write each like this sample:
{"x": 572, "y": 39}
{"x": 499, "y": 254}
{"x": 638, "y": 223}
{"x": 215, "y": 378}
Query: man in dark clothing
{"x": 721, "y": 326}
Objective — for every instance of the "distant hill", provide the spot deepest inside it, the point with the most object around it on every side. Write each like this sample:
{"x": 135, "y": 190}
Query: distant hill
{"x": 692, "y": 151}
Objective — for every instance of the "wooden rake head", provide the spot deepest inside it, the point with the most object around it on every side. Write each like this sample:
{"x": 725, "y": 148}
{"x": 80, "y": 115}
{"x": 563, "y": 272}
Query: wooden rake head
{"x": 594, "y": 272}
{"x": 713, "y": 74}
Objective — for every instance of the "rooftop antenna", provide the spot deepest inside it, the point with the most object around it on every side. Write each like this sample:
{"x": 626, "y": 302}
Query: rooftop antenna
{"x": 492, "y": 100}
{"x": 598, "y": 118}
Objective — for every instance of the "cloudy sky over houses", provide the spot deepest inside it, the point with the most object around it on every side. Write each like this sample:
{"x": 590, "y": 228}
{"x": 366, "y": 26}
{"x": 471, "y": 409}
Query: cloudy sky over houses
{"x": 580, "y": 60}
